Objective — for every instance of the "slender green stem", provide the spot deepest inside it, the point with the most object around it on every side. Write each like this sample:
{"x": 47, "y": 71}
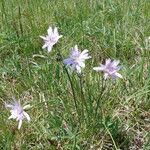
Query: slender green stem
{"x": 72, "y": 88}
{"x": 69, "y": 78}
{"x": 100, "y": 96}
{"x": 111, "y": 137}
{"x": 82, "y": 95}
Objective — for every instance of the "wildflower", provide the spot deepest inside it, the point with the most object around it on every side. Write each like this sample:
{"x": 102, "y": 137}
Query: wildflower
{"x": 110, "y": 68}
{"x": 51, "y": 39}
{"x": 17, "y": 112}
{"x": 77, "y": 58}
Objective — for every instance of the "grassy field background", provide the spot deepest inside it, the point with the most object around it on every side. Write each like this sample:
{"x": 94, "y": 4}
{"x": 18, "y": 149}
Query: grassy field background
{"x": 116, "y": 29}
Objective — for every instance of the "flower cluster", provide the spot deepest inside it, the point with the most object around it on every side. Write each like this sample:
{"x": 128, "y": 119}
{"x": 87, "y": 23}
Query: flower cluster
{"x": 76, "y": 61}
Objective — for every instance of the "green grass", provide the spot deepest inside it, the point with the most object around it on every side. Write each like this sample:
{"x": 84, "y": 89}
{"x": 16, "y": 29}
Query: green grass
{"x": 114, "y": 29}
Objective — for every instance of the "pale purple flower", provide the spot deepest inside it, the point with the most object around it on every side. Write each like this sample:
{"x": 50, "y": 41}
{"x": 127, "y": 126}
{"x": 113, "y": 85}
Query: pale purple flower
{"x": 51, "y": 39}
{"x": 17, "y": 112}
{"x": 110, "y": 68}
{"x": 76, "y": 59}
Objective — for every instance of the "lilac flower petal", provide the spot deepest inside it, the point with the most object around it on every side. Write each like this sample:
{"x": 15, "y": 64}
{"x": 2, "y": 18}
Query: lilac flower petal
{"x": 84, "y": 52}
{"x": 76, "y": 60}
{"x": 19, "y": 125}
{"x": 55, "y": 30}
{"x": 26, "y": 115}
{"x": 50, "y": 48}
{"x": 44, "y": 46}
{"x": 115, "y": 62}
{"x": 85, "y": 56}
{"x": 60, "y": 36}
{"x": 98, "y": 68}
{"x": 75, "y": 48}
{"x": 8, "y": 105}
{"x": 118, "y": 75}
{"x": 105, "y": 76}
{"x": 18, "y": 113}
{"x": 78, "y": 69}
{"x": 82, "y": 64}
{"x": 26, "y": 106}
{"x": 68, "y": 61}
{"x": 43, "y": 37}
{"x": 108, "y": 61}
{"x": 11, "y": 117}
{"x": 50, "y": 39}
{"x": 49, "y": 31}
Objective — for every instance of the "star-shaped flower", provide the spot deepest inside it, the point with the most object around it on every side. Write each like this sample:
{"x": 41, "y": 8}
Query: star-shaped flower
{"x": 51, "y": 39}
{"x": 110, "y": 68}
{"x": 17, "y": 112}
{"x": 77, "y": 59}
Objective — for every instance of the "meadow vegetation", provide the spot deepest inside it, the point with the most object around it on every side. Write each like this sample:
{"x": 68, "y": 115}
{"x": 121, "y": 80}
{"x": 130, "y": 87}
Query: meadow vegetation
{"x": 109, "y": 114}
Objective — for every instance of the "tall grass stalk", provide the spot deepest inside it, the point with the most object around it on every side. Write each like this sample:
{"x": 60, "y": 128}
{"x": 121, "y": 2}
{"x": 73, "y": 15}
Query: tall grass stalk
{"x": 69, "y": 79}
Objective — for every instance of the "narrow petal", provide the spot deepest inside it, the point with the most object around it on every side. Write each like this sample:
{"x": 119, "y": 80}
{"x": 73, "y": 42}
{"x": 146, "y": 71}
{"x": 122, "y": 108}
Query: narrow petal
{"x": 19, "y": 125}
{"x": 27, "y": 106}
{"x": 50, "y": 30}
{"x": 118, "y": 75}
{"x": 11, "y": 117}
{"x": 82, "y": 64}
{"x": 44, "y": 46}
{"x": 16, "y": 104}
{"x": 84, "y": 51}
{"x": 76, "y": 48}
{"x": 85, "y": 56}
{"x": 68, "y": 61}
{"x": 43, "y": 37}
{"x": 8, "y": 105}
{"x": 49, "y": 48}
{"x": 115, "y": 62}
{"x": 26, "y": 115}
{"x": 60, "y": 36}
{"x": 96, "y": 68}
{"x": 56, "y": 30}
{"x": 74, "y": 53}
{"x": 105, "y": 76}
{"x": 107, "y": 61}
{"x": 78, "y": 68}
{"x": 99, "y": 68}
